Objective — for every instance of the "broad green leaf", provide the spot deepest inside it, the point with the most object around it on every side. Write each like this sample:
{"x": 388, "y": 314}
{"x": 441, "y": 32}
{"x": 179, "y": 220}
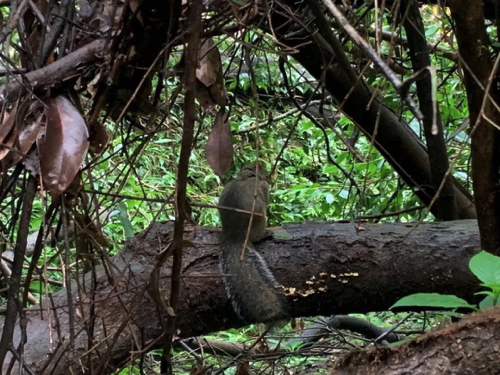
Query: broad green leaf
{"x": 486, "y": 267}
{"x": 331, "y": 169}
{"x": 433, "y": 300}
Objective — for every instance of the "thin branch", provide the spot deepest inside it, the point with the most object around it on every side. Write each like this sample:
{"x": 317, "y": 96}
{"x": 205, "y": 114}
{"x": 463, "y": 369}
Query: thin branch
{"x": 195, "y": 24}
{"x": 14, "y": 306}
{"x": 56, "y": 72}
{"x": 372, "y": 55}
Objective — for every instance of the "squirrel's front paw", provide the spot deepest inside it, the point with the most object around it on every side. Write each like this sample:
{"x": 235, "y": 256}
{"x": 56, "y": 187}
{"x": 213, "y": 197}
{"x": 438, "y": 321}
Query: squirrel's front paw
{"x": 268, "y": 234}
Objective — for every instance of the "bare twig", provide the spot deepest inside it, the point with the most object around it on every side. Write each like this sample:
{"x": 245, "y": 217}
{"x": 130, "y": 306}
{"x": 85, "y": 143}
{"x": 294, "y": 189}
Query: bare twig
{"x": 14, "y": 306}
{"x": 372, "y": 55}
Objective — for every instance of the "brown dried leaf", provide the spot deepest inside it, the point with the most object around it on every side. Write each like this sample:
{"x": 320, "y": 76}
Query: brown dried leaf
{"x": 210, "y": 88}
{"x": 64, "y": 145}
{"x": 28, "y": 136}
{"x": 219, "y": 149}
{"x": 8, "y": 123}
{"x": 29, "y": 124}
{"x": 203, "y": 95}
{"x": 13, "y": 122}
{"x": 243, "y": 368}
{"x": 134, "y": 4}
{"x": 8, "y": 143}
{"x": 218, "y": 91}
{"x": 209, "y": 66}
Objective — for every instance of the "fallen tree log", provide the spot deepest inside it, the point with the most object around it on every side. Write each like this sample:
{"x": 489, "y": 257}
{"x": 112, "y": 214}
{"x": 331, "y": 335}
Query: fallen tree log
{"x": 468, "y": 347}
{"x": 327, "y": 268}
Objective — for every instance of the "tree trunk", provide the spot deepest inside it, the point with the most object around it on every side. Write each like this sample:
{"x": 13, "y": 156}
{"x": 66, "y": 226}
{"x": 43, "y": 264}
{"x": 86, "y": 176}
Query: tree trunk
{"x": 333, "y": 268}
{"x": 481, "y": 79}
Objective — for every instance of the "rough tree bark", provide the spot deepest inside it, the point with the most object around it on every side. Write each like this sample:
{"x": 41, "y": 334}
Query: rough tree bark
{"x": 480, "y": 80}
{"x": 468, "y": 347}
{"x": 351, "y": 271}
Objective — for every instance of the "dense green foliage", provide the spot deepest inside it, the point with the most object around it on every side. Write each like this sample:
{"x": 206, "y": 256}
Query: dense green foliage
{"x": 137, "y": 172}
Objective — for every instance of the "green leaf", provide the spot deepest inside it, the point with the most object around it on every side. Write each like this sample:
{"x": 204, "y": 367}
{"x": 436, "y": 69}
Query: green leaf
{"x": 486, "y": 267}
{"x": 433, "y": 300}
{"x": 486, "y": 303}
{"x": 330, "y": 169}
{"x": 329, "y": 198}
{"x": 124, "y": 220}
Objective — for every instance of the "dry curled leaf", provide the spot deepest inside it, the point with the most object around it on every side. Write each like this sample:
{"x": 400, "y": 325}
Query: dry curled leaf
{"x": 6, "y": 129}
{"x": 209, "y": 63}
{"x": 64, "y": 145}
{"x": 210, "y": 83}
{"x": 28, "y": 135}
{"x": 219, "y": 149}
{"x": 9, "y": 132}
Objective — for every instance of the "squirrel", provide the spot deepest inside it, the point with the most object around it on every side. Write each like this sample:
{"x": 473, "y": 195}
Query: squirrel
{"x": 251, "y": 286}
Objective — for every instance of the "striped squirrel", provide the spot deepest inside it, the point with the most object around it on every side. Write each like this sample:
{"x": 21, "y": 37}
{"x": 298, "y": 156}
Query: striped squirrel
{"x": 251, "y": 286}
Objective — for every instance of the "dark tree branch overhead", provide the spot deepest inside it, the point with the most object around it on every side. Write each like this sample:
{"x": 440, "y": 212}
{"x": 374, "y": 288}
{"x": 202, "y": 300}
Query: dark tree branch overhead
{"x": 446, "y": 208}
{"x": 373, "y": 56}
{"x": 55, "y": 73}
{"x": 393, "y": 138}
{"x": 350, "y": 270}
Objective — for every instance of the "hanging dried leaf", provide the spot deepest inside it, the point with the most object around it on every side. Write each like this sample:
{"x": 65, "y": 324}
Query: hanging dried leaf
{"x": 64, "y": 145}
{"x": 210, "y": 83}
{"x": 14, "y": 121}
{"x": 203, "y": 95}
{"x": 209, "y": 65}
{"x": 8, "y": 144}
{"x": 134, "y": 5}
{"x": 8, "y": 123}
{"x": 29, "y": 125}
{"x": 219, "y": 149}
{"x": 28, "y": 136}
{"x": 218, "y": 91}
{"x": 28, "y": 121}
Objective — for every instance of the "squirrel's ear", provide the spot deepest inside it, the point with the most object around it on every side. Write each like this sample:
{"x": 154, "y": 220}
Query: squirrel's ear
{"x": 262, "y": 169}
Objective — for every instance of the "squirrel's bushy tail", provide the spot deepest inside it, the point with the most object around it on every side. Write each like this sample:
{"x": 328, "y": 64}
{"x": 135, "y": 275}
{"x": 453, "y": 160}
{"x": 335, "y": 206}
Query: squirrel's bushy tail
{"x": 251, "y": 286}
